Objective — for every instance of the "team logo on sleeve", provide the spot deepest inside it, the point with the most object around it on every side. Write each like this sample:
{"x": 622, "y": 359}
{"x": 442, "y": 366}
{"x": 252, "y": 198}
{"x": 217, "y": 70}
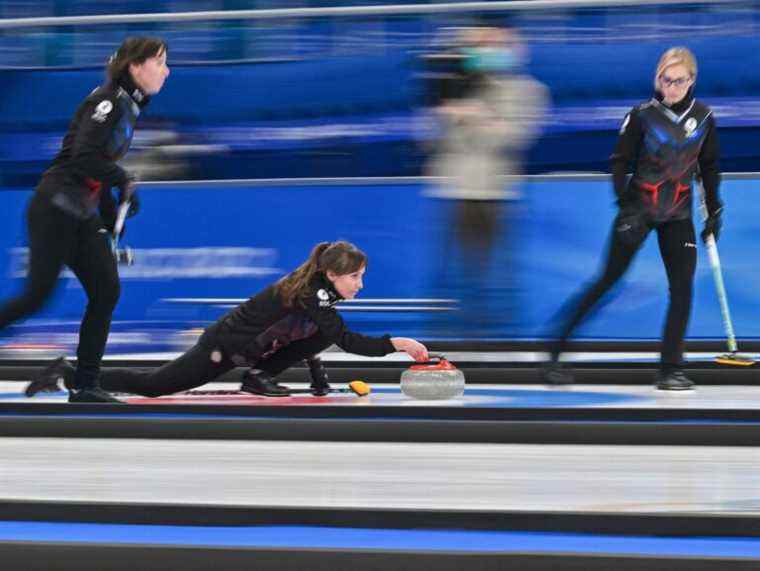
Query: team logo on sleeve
{"x": 690, "y": 125}
{"x": 102, "y": 111}
{"x": 324, "y": 298}
{"x": 625, "y": 123}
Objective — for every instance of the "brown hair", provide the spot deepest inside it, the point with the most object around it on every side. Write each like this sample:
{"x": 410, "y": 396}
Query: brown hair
{"x": 133, "y": 50}
{"x": 339, "y": 257}
{"x": 676, "y": 56}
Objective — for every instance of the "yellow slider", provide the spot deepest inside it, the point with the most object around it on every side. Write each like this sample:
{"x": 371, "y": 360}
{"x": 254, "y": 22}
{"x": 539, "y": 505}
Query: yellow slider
{"x": 360, "y": 388}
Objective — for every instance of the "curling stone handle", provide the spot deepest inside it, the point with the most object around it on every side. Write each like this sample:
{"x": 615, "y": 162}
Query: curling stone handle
{"x": 433, "y": 359}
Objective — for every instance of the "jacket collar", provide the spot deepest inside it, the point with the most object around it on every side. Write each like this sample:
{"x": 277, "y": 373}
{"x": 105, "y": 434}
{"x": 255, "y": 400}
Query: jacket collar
{"x": 128, "y": 84}
{"x": 320, "y": 282}
{"x": 679, "y": 107}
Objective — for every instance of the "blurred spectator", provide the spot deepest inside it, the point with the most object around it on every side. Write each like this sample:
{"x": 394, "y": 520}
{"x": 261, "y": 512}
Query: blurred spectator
{"x": 489, "y": 112}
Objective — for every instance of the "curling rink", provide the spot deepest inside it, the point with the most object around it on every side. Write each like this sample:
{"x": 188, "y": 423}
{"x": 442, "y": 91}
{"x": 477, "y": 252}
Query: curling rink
{"x": 591, "y": 476}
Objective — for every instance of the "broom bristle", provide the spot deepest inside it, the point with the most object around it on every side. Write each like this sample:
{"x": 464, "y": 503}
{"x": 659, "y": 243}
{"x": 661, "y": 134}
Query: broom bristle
{"x": 734, "y": 359}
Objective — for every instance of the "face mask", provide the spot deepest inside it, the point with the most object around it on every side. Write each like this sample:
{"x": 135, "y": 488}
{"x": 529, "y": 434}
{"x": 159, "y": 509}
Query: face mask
{"x": 490, "y": 60}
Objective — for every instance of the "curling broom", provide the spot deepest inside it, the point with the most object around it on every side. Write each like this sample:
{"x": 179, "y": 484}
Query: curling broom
{"x": 732, "y": 357}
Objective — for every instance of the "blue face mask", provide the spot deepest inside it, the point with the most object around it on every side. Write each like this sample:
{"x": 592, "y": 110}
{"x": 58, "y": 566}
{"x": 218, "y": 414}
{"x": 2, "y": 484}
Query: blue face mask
{"x": 490, "y": 60}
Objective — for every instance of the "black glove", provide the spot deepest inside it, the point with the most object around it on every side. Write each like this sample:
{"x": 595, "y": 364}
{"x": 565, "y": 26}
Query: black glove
{"x": 713, "y": 224}
{"x": 631, "y": 226}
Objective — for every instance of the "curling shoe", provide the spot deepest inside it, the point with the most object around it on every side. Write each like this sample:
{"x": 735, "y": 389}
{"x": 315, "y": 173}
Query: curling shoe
{"x": 46, "y": 381}
{"x": 92, "y": 395}
{"x": 674, "y": 380}
{"x": 557, "y": 374}
{"x": 259, "y": 382}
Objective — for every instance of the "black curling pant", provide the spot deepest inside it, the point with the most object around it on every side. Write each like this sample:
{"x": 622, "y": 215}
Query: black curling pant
{"x": 196, "y": 367}
{"x": 57, "y": 238}
{"x": 678, "y": 249}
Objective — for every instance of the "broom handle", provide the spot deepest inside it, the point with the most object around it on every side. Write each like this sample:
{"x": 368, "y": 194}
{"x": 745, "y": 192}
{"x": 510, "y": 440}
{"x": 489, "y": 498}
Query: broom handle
{"x": 121, "y": 217}
{"x": 712, "y": 255}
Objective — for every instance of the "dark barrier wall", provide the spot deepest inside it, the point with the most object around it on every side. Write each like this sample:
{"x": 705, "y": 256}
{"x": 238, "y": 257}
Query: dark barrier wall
{"x": 310, "y": 114}
{"x": 227, "y": 241}
{"x": 583, "y": 74}
{"x": 221, "y": 94}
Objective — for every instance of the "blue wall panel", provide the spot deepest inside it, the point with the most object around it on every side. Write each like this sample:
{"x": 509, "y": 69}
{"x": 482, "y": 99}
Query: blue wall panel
{"x": 185, "y": 238}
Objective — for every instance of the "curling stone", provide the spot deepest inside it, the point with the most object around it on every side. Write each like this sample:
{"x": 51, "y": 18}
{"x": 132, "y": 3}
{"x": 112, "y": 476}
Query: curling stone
{"x": 436, "y": 379}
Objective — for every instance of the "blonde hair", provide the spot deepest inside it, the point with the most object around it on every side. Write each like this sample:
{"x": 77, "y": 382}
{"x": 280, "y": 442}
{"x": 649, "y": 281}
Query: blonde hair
{"x": 676, "y": 56}
{"x": 339, "y": 257}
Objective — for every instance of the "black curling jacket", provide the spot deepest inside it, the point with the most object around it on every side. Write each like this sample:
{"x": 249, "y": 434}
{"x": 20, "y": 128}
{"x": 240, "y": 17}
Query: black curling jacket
{"x": 668, "y": 147}
{"x": 85, "y": 169}
{"x": 263, "y": 324}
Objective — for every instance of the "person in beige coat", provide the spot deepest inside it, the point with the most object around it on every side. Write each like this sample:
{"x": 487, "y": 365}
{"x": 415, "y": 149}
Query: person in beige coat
{"x": 487, "y": 121}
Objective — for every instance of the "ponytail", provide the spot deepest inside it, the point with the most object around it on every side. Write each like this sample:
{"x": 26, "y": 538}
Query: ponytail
{"x": 338, "y": 257}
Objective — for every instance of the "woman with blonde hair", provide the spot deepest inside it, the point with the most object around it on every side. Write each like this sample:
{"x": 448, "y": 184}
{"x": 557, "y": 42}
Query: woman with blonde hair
{"x": 669, "y": 141}
{"x": 291, "y": 320}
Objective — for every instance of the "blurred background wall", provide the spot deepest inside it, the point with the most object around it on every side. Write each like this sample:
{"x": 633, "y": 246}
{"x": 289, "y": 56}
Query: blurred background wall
{"x": 295, "y": 96}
